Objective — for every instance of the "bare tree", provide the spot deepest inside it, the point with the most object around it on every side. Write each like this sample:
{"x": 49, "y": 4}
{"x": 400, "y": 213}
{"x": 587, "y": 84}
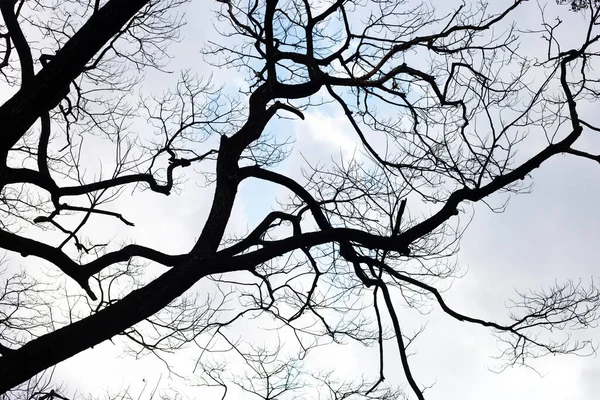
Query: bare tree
{"x": 439, "y": 102}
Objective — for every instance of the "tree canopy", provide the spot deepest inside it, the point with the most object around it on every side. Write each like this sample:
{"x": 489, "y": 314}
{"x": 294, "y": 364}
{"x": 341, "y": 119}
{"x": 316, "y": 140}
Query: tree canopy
{"x": 446, "y": 107}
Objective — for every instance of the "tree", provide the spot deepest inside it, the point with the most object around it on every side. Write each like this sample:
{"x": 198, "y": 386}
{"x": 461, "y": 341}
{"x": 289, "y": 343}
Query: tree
{"x": 577, "y": 5}
{"x": 440, "y": 103}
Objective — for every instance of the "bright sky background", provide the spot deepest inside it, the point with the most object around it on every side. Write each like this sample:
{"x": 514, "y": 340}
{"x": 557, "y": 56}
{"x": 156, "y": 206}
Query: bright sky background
{"x": 548, "y": 235}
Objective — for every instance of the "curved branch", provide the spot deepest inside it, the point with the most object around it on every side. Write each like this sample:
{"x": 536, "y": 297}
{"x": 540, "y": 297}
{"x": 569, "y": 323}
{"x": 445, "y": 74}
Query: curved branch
{"x": 19, "y": 40}
{"x": 81, "y": 273}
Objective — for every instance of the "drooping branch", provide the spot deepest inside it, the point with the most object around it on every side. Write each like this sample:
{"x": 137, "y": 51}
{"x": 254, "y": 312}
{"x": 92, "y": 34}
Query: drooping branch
{"x": 81, "y": 273}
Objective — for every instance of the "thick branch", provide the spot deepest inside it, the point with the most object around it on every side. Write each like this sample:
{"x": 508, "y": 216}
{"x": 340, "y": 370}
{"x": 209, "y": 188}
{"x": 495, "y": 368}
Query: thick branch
{"x": 81, "y": 273}
{"x": 19, "y": 40}
{"x": 50, "y": 349}
{"x": 20, "y": 112}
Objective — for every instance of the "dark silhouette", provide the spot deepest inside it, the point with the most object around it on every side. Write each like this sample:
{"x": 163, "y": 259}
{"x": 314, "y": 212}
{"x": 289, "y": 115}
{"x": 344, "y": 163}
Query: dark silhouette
{"x": 439, "y": 102}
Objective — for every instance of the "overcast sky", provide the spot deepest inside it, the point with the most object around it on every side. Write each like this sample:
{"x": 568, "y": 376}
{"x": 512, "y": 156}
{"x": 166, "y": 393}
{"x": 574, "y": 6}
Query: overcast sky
{"x": 548, "y": 235}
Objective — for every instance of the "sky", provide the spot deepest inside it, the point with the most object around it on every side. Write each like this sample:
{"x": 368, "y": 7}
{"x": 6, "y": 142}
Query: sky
{"x": 549, "y": 234}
